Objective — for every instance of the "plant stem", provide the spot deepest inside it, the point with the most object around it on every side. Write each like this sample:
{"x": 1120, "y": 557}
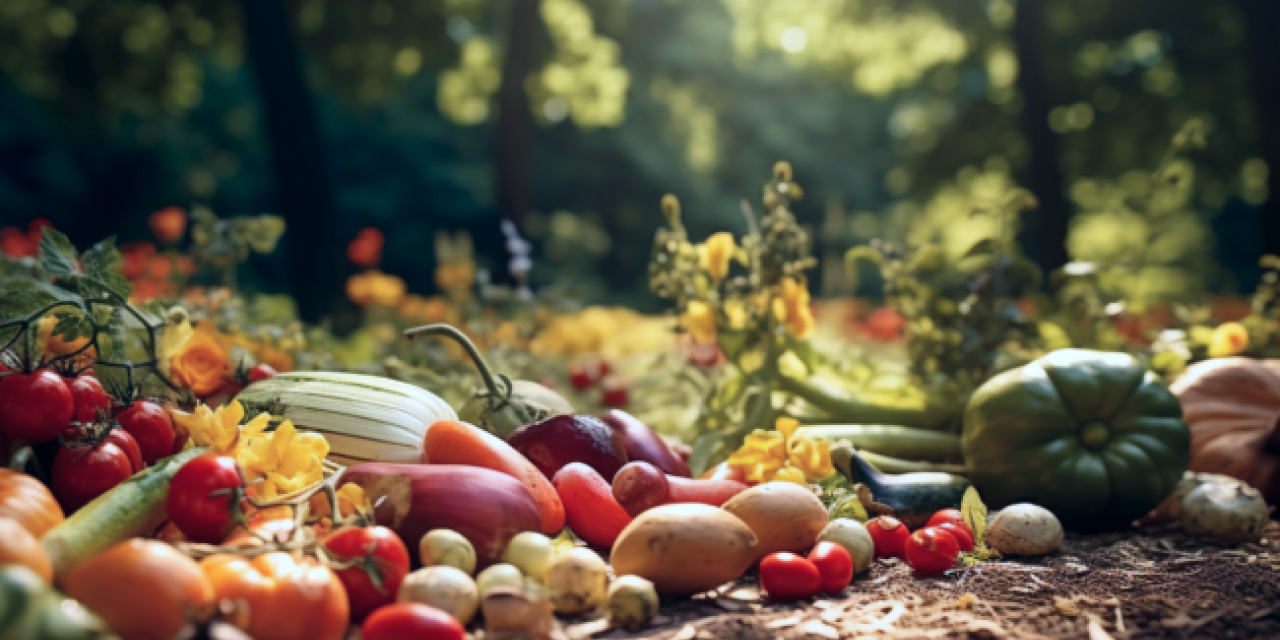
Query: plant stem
{"x": 449, "y": 331}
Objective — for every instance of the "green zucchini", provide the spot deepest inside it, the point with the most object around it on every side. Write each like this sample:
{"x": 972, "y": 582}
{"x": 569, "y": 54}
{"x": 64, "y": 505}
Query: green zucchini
{"x": 909, "y": 497}
{"x": 898, "y": 442}
{"x": 926, "y": 415}
{"x": 135, "y": 507}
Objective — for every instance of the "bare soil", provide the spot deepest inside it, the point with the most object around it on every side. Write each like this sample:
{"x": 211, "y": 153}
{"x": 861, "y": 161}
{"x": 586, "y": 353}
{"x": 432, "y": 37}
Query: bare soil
{"x": 1142, "y": 583}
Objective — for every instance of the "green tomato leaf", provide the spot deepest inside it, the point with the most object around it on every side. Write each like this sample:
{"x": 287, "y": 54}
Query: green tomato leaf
{"x": 57, "y": 255}
{"x": 705, "y": 448}
{"x": 103, "y": 264}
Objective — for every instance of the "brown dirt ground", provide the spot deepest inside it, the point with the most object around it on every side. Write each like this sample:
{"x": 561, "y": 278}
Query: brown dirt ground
{"x": 1145, "y": 583}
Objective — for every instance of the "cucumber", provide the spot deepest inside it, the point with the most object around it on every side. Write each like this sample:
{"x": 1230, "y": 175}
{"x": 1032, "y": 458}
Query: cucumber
{"x": 909, "y": 497}
{"x": 898, "y": 442}
{"x": 135, "y": 507}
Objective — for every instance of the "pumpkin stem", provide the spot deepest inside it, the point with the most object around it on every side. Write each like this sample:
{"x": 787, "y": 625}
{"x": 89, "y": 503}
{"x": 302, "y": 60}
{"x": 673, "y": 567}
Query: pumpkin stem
{"x": 449, "y": 331}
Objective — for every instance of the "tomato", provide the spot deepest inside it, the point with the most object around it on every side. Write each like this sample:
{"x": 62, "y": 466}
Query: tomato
{"x": 262, "y": 372}
{"x": 931, "y": 551}
{"x": 889, "y": 535}
{"x": 834, "y": 564}
{"x": 144, "y": 589}
{"x": 18, "y": 546}
{"x": 129, "y": 446}
{"x": 960, "y": 532}
{"x": 787, "y": 576}
{"x": 288, "y": 598}
{"x": 614, "y": 392}
{"x": 946, "y": 515}
{"x": 35, "y": 406}
{"x": 381, "y": 562}
{"x": 151, "y": 426}
{"x": 411, "y": 620}
{"x": 28, "y": 501}
{"x": 88, "y": 397}
{"x": 590, "y": 509}
{"x": 200, "y": 498}
{"x": 84, "y": 473}
{"x": 585, "y": 373}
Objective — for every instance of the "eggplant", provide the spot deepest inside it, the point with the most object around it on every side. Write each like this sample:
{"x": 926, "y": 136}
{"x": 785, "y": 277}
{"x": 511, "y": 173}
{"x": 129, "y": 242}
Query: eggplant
{"x": 910, "y": 497}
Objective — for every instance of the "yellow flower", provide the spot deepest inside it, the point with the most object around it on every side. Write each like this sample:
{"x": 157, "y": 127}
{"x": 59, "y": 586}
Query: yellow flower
{"x": 700, "y": 320}
{"x": 219, "y": 430}
{"x": 781, "y": 456}
{"x": 351, "y": 499}
{"x": 792, "y": 308}
{"x": 717, "y": 253}
{"x": 736, "y": 312}
{"x": 1229, "y": 339}
{"x": 284, "y": 460}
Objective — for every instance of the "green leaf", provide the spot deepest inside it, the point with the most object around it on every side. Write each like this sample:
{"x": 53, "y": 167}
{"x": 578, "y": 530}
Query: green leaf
{"x": 974, "y": 513}
{"x": 57, "y": 255}
{"x": 104, "y": 264}
{"x": 704, "y": 449}
{"x": 20, "y": 297}
{"x": 985, "y": 246}
{"x": 73, "y": 326}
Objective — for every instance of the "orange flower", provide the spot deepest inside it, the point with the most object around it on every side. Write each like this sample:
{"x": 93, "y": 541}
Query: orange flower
{"x": 202, "y": 364}
{"x": 792, "y": 308}
{"x": 366, "y": 249}
{"x": 168, "y": 224}
{"x": 375, "y": 287}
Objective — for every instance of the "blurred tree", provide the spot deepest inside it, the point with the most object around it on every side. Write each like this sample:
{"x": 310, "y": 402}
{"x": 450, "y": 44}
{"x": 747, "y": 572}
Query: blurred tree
{"x": 1262, "y": 18}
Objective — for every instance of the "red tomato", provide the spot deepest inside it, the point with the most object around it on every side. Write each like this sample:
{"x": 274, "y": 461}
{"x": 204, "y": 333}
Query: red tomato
{"x": 931, "y": 551}
{"x": 889, "y": 535}
{"x": 411, "y": 620}
{"x": 787, "y": 576}
{"x": 129, "y": 446}
{"x": 200, "y": 515}
{"x": 82, "y": 474}
{"x": 35, "y": 406}
{"x": 946, "y": 515}
{"x": 262, "y": 372}
{"x": 89, "y": 398}
{"x": 590, "y": 509}
{"x": 381, "y": 562}
{"x": 614, "y": 393}
{"x": 960, "y": 532}
{"x": 834, "y": 564}
{"x": 151, "y": 426}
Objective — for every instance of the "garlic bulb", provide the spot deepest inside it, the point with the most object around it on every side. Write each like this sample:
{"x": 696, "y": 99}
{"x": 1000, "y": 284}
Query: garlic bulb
{"x": 1234, "y": 512}
{"x": 1024, "y": 529}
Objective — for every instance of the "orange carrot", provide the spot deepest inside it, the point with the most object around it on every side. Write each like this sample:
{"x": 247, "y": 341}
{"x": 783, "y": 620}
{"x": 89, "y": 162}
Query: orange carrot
{"x": 451, "y": 442}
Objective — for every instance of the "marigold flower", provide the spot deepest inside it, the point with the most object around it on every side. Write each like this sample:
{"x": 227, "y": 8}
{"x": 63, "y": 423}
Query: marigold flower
{"x": 1229, "y": 339}
{"x": 700, "y": 320}
{"x": 203, "y": 362}
{"x": 715, "y": 255}
{"x": 168, "y": 224}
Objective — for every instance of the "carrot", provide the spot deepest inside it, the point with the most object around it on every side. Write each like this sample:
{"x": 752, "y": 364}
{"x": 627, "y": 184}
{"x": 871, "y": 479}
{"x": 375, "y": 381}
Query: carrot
{"x": 589, "y": 507}
{"x": 640, "y": 486}
{"x": 452, "y": 442}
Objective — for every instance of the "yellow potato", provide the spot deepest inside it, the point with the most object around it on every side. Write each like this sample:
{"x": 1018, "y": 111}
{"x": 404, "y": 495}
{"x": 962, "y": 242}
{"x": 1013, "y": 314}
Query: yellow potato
{"x": 684, "y": 549}
{"x": 783, "y": 515}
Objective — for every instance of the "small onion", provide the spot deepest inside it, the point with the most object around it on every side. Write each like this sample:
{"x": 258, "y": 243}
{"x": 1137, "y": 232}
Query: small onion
{"x": 447, "y": 547}
{"x": 532, "y": 553}
{"x": 1233, "y": 512}
{"x": 1170, "y": 510}
{"x": 443, "y": 587}
{"x": 1024, "y": 530}
{"x": 577, "y": 581}
{"x": 855, "y": 539}
{"x": 633, "y": 602}
{"x": 499, "y": 575}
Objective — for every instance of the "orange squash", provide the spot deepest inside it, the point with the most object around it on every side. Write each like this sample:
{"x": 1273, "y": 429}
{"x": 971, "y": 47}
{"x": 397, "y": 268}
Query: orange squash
{"x": 24, "y": 499}
{"x": 1233, "y": 408}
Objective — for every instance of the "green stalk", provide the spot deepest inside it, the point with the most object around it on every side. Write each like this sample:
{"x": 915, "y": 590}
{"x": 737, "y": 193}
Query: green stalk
{"x": 888, "y": 464}
{"x": 902, "y": 442}
{"x": 852, "y": 410}
{"x": 496, "y": 391}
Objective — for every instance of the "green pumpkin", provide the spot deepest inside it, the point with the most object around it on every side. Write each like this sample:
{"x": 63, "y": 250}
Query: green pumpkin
{"x": 1092, "y": 436}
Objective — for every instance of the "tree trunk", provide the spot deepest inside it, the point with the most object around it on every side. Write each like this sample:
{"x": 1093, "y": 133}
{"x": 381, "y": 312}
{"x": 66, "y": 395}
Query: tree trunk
{"x": 1263, "y": 42}
{"x": 1044, "y": 178}
{"x": 515, "y": 121}
{"x": 303, "y": 195}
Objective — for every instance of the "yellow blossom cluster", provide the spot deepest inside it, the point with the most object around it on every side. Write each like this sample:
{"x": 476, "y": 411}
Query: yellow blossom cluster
{"x": 781, "y": 456}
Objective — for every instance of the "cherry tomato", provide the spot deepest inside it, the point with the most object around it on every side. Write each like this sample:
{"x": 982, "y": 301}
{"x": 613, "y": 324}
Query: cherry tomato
{"x": 262, "y": 372}
{"x": 381, "y": 563}
{"x": 151, "y": 426}
{"x": 946, "y": 515}
{"x": 129, "y": 446}
{"x": 931, "y": 551}
{"x": 198, "y": 513}
{"x": 787, "y": 576}
{"x": 889, "y": 535}
{"x": 89, "y": 398}
{"x": 411, "y": 620}
{"x": 834, "y": 564}
{"x": 35, "y": 406}
{"x": 82, "y": 474}
{"x": 960, "y": 532}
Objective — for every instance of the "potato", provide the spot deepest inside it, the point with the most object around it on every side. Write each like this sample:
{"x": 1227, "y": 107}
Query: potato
{"x": 685, "y": 549}
{"x": 1024, "y": 529}
{"x": 784, "y": 516}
